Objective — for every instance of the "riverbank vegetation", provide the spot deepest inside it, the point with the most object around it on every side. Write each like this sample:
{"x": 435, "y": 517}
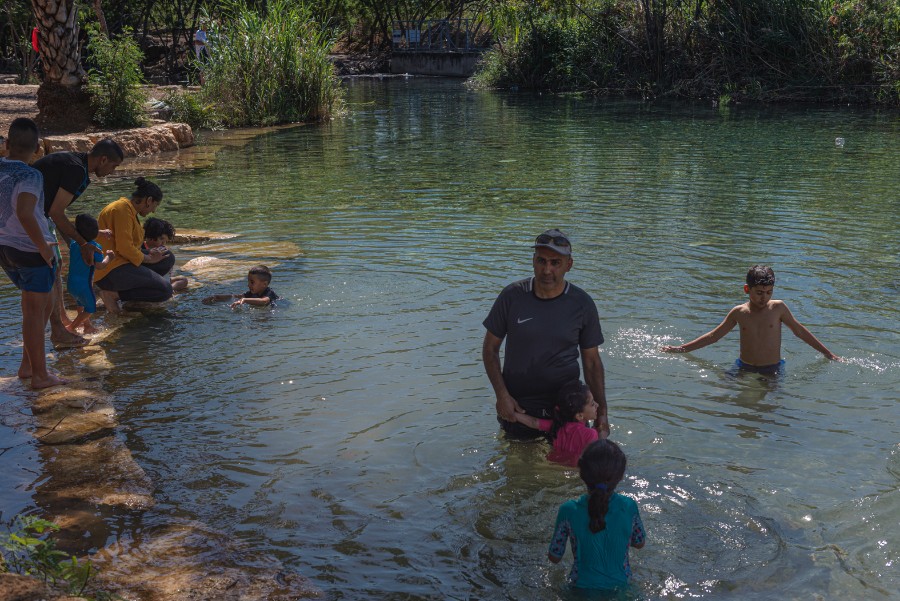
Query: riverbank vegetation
{"x": 269, "y": 58}
{"x": 269, "y": 67}
{"x": 762, "y": 50}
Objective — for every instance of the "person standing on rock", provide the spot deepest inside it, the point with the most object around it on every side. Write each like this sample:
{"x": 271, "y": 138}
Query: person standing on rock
{"x": 26, "y": 252}
{"x": 66, "y": 176}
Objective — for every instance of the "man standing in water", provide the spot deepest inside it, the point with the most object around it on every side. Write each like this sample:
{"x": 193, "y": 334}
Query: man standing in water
{"x": 547, "y": 322}
{"x": 66, "y": 176}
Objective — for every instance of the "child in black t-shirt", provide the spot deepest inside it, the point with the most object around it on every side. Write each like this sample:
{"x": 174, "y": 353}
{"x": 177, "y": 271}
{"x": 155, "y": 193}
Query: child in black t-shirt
{"x": 258, "y": 295}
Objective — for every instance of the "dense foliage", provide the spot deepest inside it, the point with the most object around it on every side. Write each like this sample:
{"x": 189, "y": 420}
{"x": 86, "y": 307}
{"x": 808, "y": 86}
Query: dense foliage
{"x": 114, "y": 80}
{"x": 846, "y": 50}
{"x": 742, "y": 49}
{"x": 270, "y": 66}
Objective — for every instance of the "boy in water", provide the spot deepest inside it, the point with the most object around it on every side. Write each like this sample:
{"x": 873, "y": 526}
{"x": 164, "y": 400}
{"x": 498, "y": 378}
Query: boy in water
{"x": 25, "y": 247}
{"x": 760, "y": 319}
{"x": 157, "y": 234}
{"x": 80, "y": 281}
{"x": 258, "y": 295}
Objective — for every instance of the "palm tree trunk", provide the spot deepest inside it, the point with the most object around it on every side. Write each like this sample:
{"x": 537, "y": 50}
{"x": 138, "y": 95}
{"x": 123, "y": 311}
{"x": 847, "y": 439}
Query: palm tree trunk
{"x": 62, "y": 100}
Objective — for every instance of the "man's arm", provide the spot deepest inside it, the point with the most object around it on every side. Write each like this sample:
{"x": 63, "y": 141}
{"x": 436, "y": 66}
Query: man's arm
{"x": 595, "y": 377}
{"x": 803, "y": 334}
{"x": 507, "y": 407}
{"x": 57, "y": 213}
{"x": 710, "y": 337}
{"x": 25, "y": 205}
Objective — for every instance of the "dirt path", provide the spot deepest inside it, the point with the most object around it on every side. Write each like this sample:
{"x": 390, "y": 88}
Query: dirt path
{"x": 16, "y": 101}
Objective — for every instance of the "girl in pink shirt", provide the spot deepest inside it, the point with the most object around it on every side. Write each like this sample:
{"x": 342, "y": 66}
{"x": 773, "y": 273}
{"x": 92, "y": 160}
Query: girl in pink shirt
{"x": 568, "y": 430}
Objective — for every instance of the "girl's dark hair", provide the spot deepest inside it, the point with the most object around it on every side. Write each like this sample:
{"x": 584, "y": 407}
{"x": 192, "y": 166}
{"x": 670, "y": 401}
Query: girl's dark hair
{"x": 86, "y": 226}
{"x": 602, "y": 467}
{"x": 570, "y": 401}
{"x": 147, "y": 188}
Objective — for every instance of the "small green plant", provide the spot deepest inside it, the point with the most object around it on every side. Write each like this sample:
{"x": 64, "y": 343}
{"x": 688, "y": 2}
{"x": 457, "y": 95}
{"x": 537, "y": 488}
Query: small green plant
{"x": 114, "y": 80}
{"x": 27, "y": 549}
{"x": 188, "y": 107}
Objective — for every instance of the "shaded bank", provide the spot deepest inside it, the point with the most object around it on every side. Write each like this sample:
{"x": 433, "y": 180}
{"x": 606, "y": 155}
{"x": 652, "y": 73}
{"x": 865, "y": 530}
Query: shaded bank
{"x": 729, "y": 50}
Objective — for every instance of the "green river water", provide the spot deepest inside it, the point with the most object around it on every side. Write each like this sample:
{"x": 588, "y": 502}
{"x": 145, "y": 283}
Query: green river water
{"x": 350, "y": 433}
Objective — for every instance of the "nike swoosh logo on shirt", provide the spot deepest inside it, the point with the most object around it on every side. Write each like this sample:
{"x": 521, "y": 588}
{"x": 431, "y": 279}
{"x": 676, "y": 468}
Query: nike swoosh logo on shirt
{"x": 524, "y": 320}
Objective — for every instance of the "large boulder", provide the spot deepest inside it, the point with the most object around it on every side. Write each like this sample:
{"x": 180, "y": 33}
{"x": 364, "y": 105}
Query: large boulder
{"x": 141, "y": 141}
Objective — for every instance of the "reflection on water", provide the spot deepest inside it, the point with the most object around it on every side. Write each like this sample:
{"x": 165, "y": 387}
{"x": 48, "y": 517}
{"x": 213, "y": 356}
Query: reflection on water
{"x": 351, "y": 432}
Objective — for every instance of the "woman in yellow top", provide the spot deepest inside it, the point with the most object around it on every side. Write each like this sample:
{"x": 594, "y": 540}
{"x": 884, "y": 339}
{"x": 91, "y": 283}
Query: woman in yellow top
{"x": 134, "y": 275}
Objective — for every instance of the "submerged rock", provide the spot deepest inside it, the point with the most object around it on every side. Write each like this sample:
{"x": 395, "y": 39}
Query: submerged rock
{"x": 14, "y": 587}
{"x": 216, "y": 270}
{"x": 192, "y": 236}
{"x": 191, "y": 561}
{"x": 98, "y": 472}
{"x": 256, "y": 249}
{"x": 61, "y": 425}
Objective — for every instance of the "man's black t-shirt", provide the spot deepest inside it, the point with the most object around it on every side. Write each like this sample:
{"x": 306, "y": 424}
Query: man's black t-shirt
{"x": 63, "y": 170}
{"x": 543, "y": 341}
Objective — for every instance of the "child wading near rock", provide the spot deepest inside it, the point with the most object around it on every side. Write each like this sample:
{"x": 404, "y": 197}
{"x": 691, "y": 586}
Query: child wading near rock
{"x": 601, "y": 524}
{"x": 80, "y": 282}
{"x": 258, "y": 295}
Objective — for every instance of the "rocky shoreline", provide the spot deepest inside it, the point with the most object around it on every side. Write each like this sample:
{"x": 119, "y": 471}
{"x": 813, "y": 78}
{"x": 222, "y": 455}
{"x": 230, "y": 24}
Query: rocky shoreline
{"x": 87, "y": 473}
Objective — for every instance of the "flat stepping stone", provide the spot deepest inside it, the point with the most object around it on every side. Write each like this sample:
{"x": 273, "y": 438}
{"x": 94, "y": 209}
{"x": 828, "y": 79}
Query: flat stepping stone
{"x": 216, "y": 270}
{"x": 262, "y": 250}
{"x": 191, "y": 561}
{"x": 98, "y": 472}
{"x": 192, "y": 236}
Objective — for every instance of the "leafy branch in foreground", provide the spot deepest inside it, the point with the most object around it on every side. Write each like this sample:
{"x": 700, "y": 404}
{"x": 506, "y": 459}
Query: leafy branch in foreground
{"x": 27, "y": 549}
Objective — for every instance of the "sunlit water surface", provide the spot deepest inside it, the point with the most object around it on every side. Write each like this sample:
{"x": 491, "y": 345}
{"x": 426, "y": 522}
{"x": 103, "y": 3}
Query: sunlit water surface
{"x": 350, "y": 432}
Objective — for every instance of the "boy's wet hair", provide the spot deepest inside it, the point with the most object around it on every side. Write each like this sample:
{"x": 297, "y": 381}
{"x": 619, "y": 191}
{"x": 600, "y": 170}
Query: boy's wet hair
{"x": 86, "y": 226}
{"x": 570, "y": 401}
{"x": 262, "y": 272}
{"x": 108, "y": 148}
{"x": 760, "y": 275}
{"x": 147, "y": 188}
{"x": 157, "y": 228}
{"x": 602, "y": 467}
{"x": 23, "y": 135}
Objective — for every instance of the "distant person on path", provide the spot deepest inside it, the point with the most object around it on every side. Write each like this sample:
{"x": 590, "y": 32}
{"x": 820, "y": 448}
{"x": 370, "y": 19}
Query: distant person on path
{"x": 159, "y": 233}
{"x": 26, "y": 252}
{"x": 80, "y": 281}
{"x": 133, "y": 275}
{"x": 66, "y": 177}
{"x": 258, "y": 295}
{"x": 200, "y": 40}
{"x": 568, "y": 430}
{"x": 547, "y": 323}
{"x": 760, "y": 319}
{"x": 602, "y": 525}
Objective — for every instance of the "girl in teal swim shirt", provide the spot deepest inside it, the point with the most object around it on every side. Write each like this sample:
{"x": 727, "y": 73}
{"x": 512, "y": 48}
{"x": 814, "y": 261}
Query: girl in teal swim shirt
{"x": 601, "y": 524}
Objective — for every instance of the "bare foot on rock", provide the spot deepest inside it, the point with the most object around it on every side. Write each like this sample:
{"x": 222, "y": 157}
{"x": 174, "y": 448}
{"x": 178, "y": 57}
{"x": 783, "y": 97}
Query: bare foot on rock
{"x": 66, "y": 339}
{"x": 47, "y": 382}
{"x": 110, "y": 301}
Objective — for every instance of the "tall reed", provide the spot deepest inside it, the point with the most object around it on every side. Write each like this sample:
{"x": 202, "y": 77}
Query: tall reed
{"x": 270, "y": 67}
